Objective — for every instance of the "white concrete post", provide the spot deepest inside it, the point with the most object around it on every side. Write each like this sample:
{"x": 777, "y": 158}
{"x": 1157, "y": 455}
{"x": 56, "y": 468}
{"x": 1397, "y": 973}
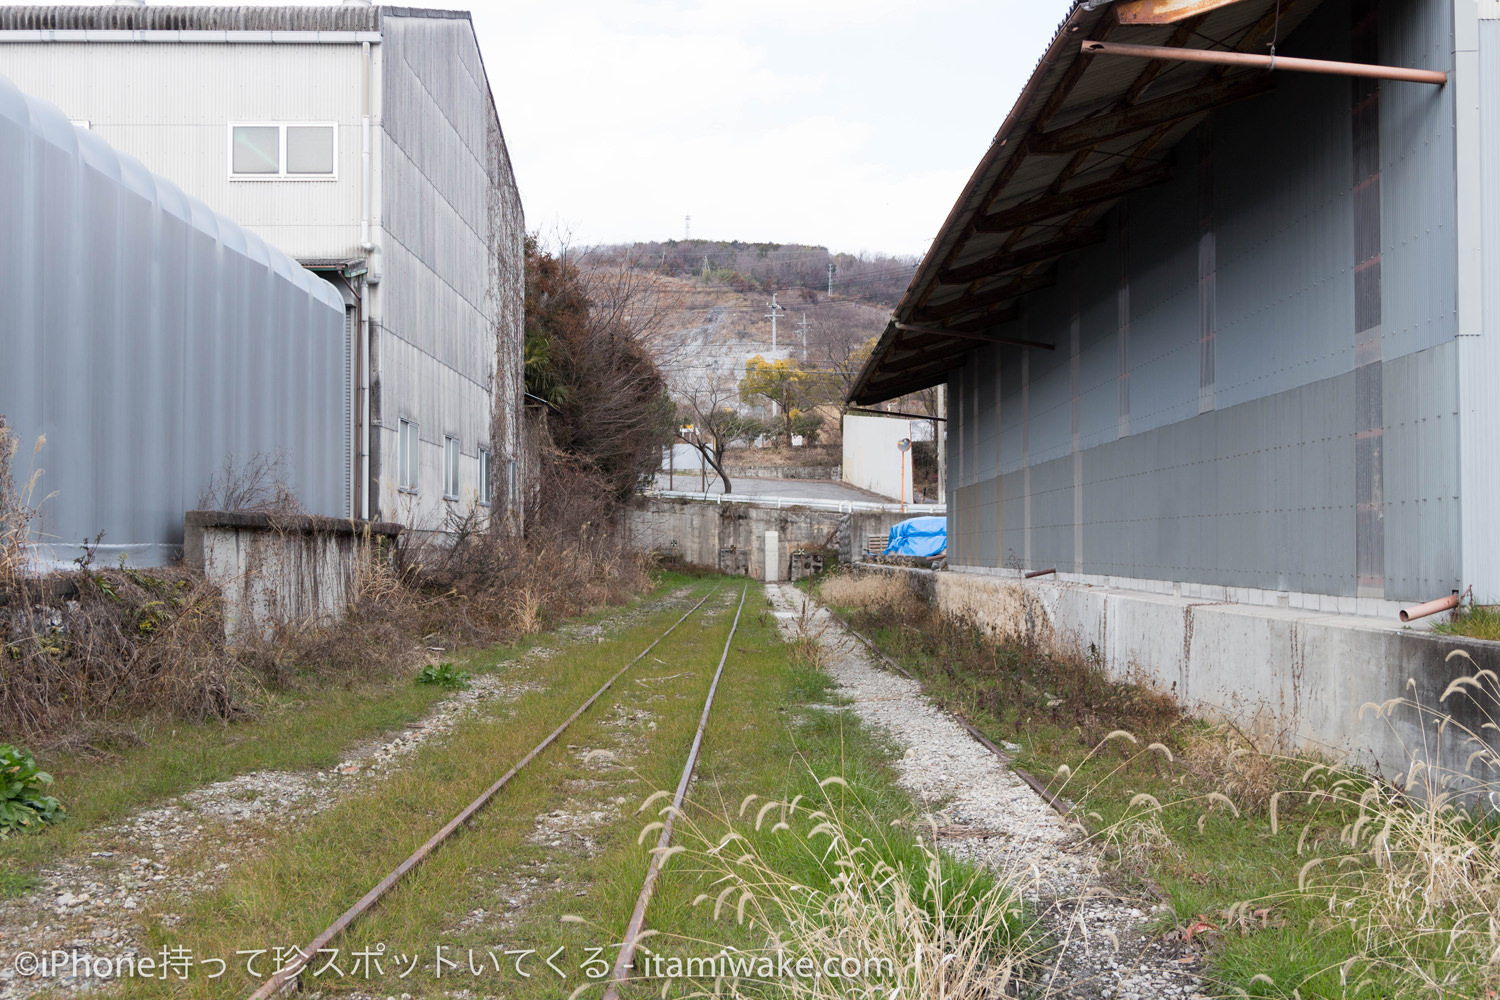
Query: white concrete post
{"x": 773, "y": 557}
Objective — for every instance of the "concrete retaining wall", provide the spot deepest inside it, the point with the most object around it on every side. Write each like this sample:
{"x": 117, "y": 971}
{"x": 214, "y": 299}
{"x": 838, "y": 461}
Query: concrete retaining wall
{"x": 1295, "y": 679}
{"x": 275, "y": 570}
{"x": 829, "y": 472}
{"x": 731, "y": 537}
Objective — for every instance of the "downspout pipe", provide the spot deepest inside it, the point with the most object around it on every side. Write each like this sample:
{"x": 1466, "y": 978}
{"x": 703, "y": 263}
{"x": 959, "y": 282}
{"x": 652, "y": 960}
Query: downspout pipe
{"x": 1431, "y": 607}
{"x": 367, "y": 325}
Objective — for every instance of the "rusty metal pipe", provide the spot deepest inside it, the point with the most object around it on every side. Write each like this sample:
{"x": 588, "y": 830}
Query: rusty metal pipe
{"x": 1218, "y": 58}
{"x": 281, "y": 979}
{"x": 1041, "y": 572}
{"x": 1430, "y": 608}
{"x": 653, "y": 871}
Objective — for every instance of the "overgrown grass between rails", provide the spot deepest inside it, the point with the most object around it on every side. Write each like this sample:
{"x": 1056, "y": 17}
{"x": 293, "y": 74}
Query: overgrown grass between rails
{"x": 504, "y": 882}
{"x": 753, "y": 778}
{"x": 308, "y": 876}
{"x": 153, "y": 760}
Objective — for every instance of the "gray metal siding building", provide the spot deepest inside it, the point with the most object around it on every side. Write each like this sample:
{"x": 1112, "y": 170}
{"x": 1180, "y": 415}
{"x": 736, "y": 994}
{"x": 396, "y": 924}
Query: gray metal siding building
{"x": 148, "y": 339}
{"x": 1218, "y": 349}
{"x": 414, "y": 217}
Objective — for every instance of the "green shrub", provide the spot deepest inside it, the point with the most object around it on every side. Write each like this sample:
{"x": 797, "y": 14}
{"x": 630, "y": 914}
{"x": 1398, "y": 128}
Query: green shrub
{"x": 23, "y": 804}
{"x": 445, "y": 676}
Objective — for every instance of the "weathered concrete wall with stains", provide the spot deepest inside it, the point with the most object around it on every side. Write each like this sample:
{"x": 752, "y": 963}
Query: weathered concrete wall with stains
{"x": 731, "y": 537}
{"x": 1295, "y": 679}
{"x": 277, "y": 570}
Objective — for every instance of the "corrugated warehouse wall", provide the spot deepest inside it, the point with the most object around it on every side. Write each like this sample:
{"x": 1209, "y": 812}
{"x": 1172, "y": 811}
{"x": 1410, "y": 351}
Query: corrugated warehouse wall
{"x": 451, "y": 328}
{"x": 1255, "y": 379}
{"x": 149, "y": 340}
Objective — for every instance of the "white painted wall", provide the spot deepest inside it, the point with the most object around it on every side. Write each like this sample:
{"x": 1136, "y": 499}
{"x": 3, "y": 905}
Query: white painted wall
{"x": 871, "y": 459}
{"x": 170, "y": 105}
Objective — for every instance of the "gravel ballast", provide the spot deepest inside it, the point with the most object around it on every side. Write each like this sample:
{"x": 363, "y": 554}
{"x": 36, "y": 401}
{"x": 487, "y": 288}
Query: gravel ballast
{"x": 1104, "y": 946}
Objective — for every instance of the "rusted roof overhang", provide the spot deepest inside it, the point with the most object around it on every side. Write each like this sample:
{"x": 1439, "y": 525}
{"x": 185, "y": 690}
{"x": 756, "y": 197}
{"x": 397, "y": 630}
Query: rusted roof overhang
{"x": 1085, "y": 132}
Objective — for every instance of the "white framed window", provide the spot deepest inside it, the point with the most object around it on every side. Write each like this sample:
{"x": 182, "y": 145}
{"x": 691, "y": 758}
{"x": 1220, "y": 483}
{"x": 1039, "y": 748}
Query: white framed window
{"x": 406, "y": 458}
{"x": 484, "y": 476}
{"x": 451, "y": 456}
{"x": 269, "y": 151}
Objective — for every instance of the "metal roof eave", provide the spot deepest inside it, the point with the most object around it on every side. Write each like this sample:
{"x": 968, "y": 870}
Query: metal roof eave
{"x": 970, "y": 199}
{"x": 1083, "y": 116}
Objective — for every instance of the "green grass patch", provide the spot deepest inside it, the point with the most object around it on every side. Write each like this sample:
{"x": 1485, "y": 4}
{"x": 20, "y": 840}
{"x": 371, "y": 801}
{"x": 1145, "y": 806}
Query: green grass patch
{"x": 1478, "y": 621}
{"x": 561, "y": 840}
{"x": 151, "y": 761}
{"x": 295, "y": 732}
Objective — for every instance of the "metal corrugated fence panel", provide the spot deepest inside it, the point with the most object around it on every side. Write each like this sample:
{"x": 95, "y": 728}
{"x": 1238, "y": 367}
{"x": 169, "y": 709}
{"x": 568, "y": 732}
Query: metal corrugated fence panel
{"x": 1259, "y": 490}
{"x": 149, "y": 340}
{"x": 1418, "y": 183}
{"x": 1481, "y": 413}
{"x": 452, "y": 231}
{"x": 1284, "y": 284}
{"x": 1421, "y": 472}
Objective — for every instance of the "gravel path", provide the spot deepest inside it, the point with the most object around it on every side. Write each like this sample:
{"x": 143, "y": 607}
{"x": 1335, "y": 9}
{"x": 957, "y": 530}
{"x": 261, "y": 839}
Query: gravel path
{"x": 1105, "y": 946}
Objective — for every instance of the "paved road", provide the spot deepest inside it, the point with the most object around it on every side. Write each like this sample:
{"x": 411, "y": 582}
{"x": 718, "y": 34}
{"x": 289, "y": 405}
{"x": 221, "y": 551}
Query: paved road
{"x": 792, "y": 489}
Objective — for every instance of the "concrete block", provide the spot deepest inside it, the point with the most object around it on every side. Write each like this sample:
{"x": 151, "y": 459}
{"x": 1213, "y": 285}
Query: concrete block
{"x": 773, "y": 557}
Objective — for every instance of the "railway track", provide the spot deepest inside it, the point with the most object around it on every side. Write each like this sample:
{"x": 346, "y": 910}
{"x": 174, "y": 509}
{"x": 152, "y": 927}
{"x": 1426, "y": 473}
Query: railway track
{"x": 287, "y": 977}
{"x": 635, "y": 929}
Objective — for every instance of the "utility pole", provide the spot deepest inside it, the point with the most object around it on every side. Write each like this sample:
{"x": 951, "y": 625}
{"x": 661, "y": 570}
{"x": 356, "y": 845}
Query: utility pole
{"x": 775, "y": 312}
{"x": 804, "y": 337}
{"x": 687, "y": 228}
{"x": 830, "y": 277}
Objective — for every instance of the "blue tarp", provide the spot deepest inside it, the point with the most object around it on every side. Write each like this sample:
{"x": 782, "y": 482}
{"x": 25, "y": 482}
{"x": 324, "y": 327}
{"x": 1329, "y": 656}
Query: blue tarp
{"x": 918, "y": 536}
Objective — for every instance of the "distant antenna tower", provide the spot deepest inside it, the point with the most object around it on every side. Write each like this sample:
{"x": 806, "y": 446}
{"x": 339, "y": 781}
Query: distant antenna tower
{"x": 804, "y": 336}
{"x": 687, "y": 227}
{"x": 830, "y": 277}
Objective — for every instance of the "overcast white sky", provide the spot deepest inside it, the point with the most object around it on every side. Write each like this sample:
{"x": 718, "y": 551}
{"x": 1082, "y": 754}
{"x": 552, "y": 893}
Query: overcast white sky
{"x": 849, "y": 123}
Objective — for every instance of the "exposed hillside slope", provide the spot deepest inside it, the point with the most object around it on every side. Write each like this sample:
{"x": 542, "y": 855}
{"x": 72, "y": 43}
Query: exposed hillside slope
{"x": 705, "y": 334}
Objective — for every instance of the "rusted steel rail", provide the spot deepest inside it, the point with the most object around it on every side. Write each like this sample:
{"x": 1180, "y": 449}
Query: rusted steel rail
{"x": 984, "y": 741}
{"x": 281, "y": 979}
{"x": 637, "y": 923}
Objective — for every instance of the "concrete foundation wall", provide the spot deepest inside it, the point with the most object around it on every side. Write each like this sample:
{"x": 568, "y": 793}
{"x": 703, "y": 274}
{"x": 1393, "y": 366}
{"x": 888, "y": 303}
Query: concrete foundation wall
{"x": 276, "y": 570}
{"x": 1295, "y": 679}
{"x": 731, "y": 537}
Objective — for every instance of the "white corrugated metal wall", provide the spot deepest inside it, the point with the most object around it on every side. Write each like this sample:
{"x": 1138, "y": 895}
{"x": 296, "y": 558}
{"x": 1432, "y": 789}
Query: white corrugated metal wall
{"x": 149, "y": 341}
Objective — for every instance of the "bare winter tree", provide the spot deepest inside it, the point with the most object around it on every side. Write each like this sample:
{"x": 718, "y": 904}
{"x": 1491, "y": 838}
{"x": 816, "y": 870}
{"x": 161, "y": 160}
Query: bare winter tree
{"x": 709, "y": 422}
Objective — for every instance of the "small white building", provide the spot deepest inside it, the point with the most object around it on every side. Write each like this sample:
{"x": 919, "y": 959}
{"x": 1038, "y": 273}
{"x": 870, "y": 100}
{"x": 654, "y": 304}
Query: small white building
{"x": 364, "y": 142}
{"x": 874, "y": 458}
